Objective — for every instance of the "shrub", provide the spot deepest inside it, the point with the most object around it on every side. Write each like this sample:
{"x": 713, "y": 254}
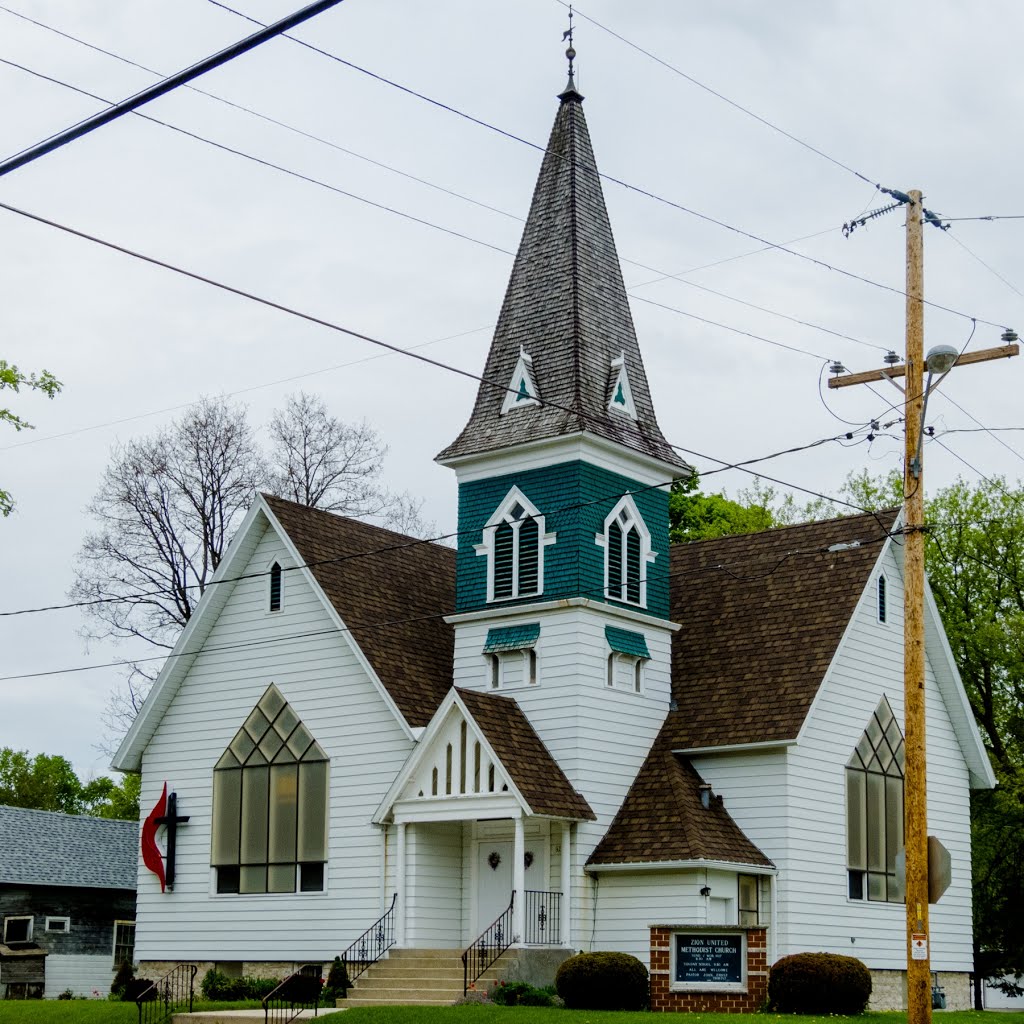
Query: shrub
{"x": 215, "y": 986}
{"x": 66, "y": 994}
{"x": 603, "y": 981}
{"x": 520, "y": 993}
{"x": 125, "y": 973}
{"x": 218, "y": 987}
{"x": 134, "y": 988}
{"x": 819, "y": 983}
{"x": 337, "y": 981}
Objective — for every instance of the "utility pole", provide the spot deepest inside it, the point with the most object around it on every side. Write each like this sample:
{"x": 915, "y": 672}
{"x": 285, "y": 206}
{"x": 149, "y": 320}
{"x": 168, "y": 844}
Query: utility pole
{"x": 915, "y": 802}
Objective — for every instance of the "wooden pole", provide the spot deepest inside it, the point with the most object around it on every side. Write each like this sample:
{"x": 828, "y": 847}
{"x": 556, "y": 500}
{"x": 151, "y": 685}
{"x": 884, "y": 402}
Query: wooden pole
{"x": 919, "y": 1004}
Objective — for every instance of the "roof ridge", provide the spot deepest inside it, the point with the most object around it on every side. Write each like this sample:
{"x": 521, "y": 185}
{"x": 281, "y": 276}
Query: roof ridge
{"x": 68, "y": 814}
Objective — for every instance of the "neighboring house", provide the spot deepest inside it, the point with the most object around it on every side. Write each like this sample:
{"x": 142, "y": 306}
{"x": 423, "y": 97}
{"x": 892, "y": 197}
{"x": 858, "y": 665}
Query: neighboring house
{"x": 67, "y": 902}
{"x": 693, "y": 754}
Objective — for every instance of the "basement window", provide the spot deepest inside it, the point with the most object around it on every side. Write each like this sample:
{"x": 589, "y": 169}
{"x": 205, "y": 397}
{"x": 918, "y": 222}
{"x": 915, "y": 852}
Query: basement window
{"x": 17, "y": 929}
{"x": 58, "y": 924}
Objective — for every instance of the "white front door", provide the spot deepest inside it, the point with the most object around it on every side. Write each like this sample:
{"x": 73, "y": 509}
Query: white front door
{"x": 494, "y": 886}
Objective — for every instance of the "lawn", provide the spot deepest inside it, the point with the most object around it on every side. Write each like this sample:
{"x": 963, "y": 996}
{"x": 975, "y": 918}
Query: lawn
{"x": 95, "y": 1011}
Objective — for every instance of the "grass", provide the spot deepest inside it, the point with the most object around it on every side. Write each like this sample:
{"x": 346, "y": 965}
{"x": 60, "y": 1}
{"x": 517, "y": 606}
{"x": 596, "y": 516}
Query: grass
{"x": 95, "y": 1011}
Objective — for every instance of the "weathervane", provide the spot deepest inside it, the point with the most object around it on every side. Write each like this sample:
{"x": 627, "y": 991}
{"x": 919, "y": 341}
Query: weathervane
{"x": 570, "y": 52}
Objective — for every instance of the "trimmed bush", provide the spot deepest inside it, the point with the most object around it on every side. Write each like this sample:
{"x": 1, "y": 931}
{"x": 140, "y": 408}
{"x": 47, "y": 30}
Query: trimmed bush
{"x": 135, "y": 988}
{"x": 520, "y": 993}
{"x": 819, "y": 983}
{"x": 337, "y": 982}
{"x": 603, "y": 981}
{"x": 125, "y": 973}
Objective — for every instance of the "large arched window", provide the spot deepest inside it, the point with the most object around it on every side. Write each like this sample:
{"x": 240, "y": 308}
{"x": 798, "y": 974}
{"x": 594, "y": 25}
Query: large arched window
{"x": 874, "y": 809}
{"x": 270, "y": 805}
{"x": 627, "y": 554}
{"x": 514, "y": 541}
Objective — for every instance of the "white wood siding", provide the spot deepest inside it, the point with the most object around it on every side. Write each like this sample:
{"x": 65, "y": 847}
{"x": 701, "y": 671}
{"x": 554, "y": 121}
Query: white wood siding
{"x": 321, "y": 678}
{"x": 435, "y": 872}
{"x": 599, "y": 736}
{"x": 89, "y": 976}
{"x": 815, "y": 911}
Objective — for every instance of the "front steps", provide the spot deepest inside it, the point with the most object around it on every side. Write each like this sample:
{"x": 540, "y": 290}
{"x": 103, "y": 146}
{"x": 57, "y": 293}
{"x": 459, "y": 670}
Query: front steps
{"x": 419, "y": 977}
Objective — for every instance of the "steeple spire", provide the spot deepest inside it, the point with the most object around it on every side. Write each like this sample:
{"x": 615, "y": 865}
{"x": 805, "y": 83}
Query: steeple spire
{"x": 566, "y": 316}
{"x": 570, "y": 53}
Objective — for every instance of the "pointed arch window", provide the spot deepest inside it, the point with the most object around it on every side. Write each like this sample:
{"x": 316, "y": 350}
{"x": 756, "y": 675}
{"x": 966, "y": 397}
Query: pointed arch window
{"x": 514, "y": 539}
{"x": 274, "y": 592}
{"x": 882, "y": 609}
{"x": 874, "y": 809}
{"x": 627, "y": 554}
{"x": 269, "y": 830}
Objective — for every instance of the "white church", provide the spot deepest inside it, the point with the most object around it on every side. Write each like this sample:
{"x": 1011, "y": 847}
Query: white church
{"x": 566, "y": 734}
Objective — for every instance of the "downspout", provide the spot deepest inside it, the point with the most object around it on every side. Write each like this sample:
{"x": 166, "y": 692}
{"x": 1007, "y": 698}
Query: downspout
{"x": 773, "y": 927}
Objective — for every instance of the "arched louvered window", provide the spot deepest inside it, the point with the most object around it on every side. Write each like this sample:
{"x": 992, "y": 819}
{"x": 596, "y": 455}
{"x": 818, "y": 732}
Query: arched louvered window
{"x": 270, "y": 805}
{"x": 274, "y": 600}
{"x": 627, "y": 544}
{"x": 874, "y": 809}
{"x": 883, "y": 612}
{"x": 514, "y": 541}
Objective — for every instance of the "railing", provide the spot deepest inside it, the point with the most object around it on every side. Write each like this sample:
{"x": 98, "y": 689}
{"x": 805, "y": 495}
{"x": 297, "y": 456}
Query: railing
{"x": 543, "y": 919}
{"x": 371, "y": 945}
{"x": 495, "y": 939}
{"x": 299, "y": 991}
{"x": 171, "y": 994}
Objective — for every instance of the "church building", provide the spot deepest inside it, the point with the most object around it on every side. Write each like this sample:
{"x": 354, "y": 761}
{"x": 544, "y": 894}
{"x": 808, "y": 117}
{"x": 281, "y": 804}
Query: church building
{"x": 566, "y": 734}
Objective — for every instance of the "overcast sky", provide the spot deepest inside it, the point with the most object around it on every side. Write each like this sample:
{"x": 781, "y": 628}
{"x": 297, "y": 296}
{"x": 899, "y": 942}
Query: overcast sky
{"x": 906, "y": 94}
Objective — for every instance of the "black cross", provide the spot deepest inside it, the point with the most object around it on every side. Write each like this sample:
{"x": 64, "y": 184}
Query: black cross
{"x": 172, "y": 820}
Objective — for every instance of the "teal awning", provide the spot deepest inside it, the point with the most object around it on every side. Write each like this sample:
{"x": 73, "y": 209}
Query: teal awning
{"x": 627, "y": 642}
{"x": 512, "y": 638}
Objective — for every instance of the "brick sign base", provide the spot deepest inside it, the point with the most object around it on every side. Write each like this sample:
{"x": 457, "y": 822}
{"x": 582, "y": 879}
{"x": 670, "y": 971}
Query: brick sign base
{"x": 664, "y": 1000}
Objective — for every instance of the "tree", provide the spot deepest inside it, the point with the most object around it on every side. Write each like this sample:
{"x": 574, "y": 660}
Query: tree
{"x": 47, "y": 782}
{"x": 11, "y": 378}
{"x": 169, "y": 503}
{"x": 694, "y": 515}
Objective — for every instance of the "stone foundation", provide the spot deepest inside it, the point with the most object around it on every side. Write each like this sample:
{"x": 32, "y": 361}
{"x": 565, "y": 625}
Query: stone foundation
{"x": 750, "y": 1000}
{"x": 535, "y": 966}
{"x": 889, "y": 990}
{"x": 156, "y": 969}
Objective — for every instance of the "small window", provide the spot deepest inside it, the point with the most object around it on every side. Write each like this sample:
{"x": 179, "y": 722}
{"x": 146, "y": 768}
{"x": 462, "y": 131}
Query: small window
{"x": 58, "y": 924}
{"x": 513, "y": 541}
{"x": 274, "y": 604}
{"x": 513, "y": 668}
{"x": 882, "y": 611}
{"x": 124, "y": 942}
{"x": 17, "y": 929}
{"x": 627, "y": 544}
{"x": 747, "y": 900}
{"x": 625, "y": 672}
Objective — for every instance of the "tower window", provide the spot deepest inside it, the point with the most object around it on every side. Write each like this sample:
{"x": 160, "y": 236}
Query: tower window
{"x": 514, "y": 541}
{"x": 627, "y": 544}
{"x": 274, "y": 602}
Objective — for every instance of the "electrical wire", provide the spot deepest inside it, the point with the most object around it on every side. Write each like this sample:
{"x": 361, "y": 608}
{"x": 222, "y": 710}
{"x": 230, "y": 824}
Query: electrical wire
{"x": 992, "y": 270}
{"x": 781, "y": 247}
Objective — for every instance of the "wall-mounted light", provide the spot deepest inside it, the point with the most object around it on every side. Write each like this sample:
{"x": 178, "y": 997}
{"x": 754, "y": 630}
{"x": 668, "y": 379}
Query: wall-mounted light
{"x": 706, "y": 891}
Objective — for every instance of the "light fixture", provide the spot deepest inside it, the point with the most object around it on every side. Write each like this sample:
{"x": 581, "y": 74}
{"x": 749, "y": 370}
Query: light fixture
{"x": 706, "y": 891}
{"x": 941, "y": 359}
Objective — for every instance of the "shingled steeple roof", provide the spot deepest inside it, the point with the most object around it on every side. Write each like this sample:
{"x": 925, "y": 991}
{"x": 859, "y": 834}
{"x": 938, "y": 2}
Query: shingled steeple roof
{"x": 565, "y": 319}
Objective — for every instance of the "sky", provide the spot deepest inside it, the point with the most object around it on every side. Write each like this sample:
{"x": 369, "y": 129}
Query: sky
{"x": 724, "y": 120}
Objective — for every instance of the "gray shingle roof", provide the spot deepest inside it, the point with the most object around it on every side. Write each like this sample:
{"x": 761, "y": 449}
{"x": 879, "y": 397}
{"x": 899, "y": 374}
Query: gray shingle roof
{"x": 47, "y": 848}
{"x": 566, "y": 306}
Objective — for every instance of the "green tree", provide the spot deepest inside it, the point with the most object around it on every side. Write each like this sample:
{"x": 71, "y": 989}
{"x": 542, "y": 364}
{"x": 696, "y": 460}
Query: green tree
{"x": 48, "y": 782}
{"x": 694, "y": 515}
{"x": 12, "y": 379}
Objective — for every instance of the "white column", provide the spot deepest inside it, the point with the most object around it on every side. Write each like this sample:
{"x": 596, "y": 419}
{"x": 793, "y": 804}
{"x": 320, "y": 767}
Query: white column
{"x": 519, "y": 880}
{"x": 401, "y": 886}
{"x": 565, "y": 924}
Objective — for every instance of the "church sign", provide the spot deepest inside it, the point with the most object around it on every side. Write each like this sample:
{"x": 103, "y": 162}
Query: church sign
{"x": 708, "y": 960}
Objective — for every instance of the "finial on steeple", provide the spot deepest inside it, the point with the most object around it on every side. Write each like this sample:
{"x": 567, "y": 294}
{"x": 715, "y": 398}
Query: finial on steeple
{"x": 570, "y": 89}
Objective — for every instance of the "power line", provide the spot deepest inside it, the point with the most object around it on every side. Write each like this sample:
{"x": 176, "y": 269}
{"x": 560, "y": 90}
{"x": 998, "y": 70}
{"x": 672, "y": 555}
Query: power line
{"x": 714, "y": 92}
{"x": 309, "y": 179}
{"x": 781, "y": 247}
{"x": 408, "y": 543}
{"x": 147, "y": 95}
{"x": 992, "y": 270}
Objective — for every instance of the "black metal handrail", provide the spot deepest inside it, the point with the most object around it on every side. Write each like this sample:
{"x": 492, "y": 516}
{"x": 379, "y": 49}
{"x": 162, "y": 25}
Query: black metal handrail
{"x": 487, "y": 947}
{"x": 168, "y": 996}
{"x": 543, "y": 918}
{"x": 371, "y": 945}
{"x": 299, "y": 991}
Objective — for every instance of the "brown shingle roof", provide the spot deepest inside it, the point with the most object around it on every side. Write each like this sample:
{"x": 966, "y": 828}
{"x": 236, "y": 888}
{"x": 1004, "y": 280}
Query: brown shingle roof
{"x": 523, "y": 754}
{"x": 566, "y": 306}
{"x": 759, "y": 633}
{"x": 409, "y": 589}
{"x": 663, "y": 819}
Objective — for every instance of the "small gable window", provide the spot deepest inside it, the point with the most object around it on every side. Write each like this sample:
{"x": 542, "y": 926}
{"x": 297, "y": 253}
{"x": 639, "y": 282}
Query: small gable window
{"x": 511, "y": 653}
{"x": 628, "y": 653}
{"x": 513, "y": 542}
{"x": 274, "y": 595}
{"x": 270, "y": 805}
{"x": 522, "y": 388}
{"x": 882, "y": 610}
{"x": 874, "y": 809}
{"x": 627, "y": 544}
{"x": 620, "y": 397}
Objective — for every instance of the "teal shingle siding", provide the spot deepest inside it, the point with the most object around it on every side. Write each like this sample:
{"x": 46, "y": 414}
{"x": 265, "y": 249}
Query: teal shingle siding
{"x": 511, "y": 638}
{"x": 575, "y": 497}
{"x": 625, "y": 641}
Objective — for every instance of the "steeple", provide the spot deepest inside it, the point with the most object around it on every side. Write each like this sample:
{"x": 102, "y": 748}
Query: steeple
{"x": 565, "y": 339}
